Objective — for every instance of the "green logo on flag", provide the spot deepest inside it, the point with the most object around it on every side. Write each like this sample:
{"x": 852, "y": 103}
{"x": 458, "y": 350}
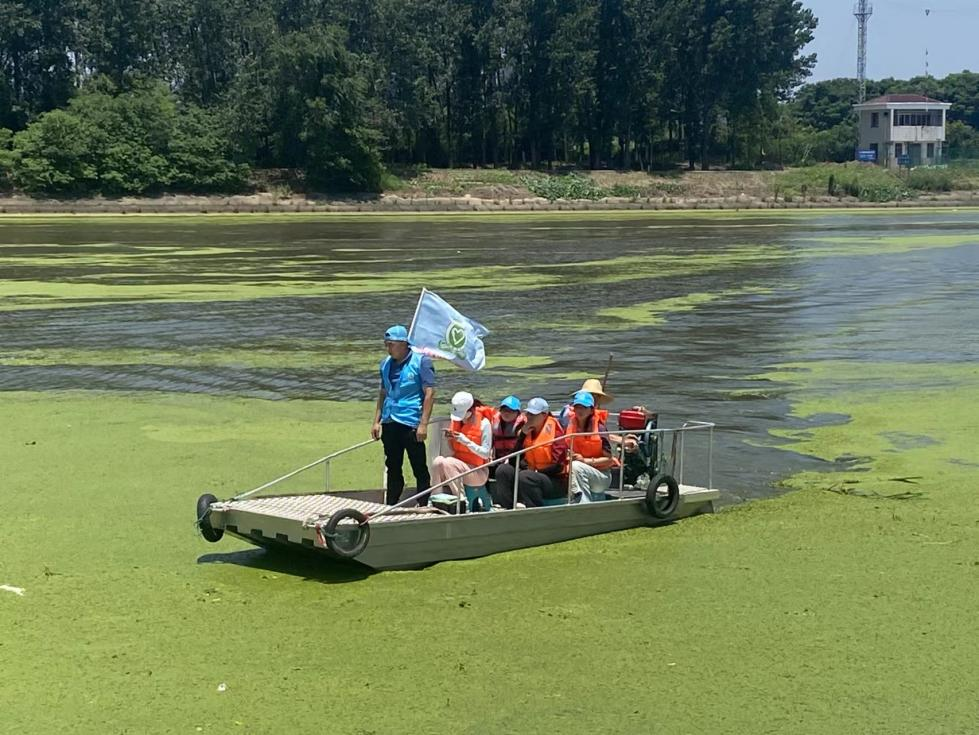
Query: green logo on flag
{"x": 455, "y": 339}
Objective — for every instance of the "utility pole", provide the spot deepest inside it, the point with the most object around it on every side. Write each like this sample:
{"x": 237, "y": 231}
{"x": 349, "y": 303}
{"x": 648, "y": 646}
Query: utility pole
{"x": 862, "y": 11}
{"x": 927, "y": 13}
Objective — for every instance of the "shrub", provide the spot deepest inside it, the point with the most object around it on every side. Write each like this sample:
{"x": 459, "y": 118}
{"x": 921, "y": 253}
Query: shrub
{"x": 7, "y": 157}
{"x": 133, "y": 142}
{"x": 930, "y": 179}
{"x": 571, "y": 186}
{"x": 625, "y": 190}
{"x": 200, "y": 155}
{"x": 54, "y": 155}
{"x": 866, "y": 182}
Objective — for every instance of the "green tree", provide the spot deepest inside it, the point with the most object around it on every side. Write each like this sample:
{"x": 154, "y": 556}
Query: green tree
{"x": 726, "y": 53}
{"x": 962, "y": 90}
{"x": 132, "y": 133}
{"x": 7, "y": 157}
{"x": 122, "y": 38}
{"x": 200, "y": 157}
{"x": 317, "y": 118}
{"x": 36, "y": 72}
{"x": 133, "y": 142}
{"x": 962, "y": 140}
{"x": 54, "y": 156}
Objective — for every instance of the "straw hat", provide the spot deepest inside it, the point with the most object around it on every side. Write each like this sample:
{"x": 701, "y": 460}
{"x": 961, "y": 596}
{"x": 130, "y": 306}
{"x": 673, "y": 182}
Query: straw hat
{"x": 594, "y": 386}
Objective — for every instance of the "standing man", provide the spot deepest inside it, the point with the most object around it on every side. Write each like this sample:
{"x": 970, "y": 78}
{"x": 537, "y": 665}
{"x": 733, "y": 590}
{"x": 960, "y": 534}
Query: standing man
{"x": 404, "y": 404}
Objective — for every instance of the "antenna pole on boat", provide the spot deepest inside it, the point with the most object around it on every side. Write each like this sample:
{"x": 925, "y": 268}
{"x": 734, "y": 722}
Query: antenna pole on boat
{"x": 608, "y": 369}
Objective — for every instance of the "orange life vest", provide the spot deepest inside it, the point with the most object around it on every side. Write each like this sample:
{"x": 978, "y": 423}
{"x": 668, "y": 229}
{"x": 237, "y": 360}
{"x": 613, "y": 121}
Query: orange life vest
{"x": 541, "y": 447}
{"x": 589, "y": 446}
{"x": 472, "y": 430}
{"x": 505, "y": 440}
{"x": 487, "y": 412}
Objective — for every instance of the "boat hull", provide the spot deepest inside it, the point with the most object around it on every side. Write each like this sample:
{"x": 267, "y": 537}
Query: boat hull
{"x": 411, "y": 542}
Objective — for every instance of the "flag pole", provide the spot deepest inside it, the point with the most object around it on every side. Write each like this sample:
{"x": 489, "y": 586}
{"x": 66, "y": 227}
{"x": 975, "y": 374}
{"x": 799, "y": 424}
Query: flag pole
{"x": 414, "y": 316}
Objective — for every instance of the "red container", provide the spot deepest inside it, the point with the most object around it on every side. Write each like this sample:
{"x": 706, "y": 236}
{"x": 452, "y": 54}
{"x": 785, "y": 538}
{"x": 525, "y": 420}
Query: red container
{"x": 635, "y": 419}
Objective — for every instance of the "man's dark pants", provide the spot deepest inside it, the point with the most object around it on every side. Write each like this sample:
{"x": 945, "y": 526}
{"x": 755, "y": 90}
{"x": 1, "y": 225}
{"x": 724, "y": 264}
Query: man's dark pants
{"x": 398, "y": 439}
{"x": 532, "y": 487}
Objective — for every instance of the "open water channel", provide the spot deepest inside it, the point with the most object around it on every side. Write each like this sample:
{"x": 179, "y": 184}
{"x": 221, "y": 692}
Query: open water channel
{"x": 696, "y": 308}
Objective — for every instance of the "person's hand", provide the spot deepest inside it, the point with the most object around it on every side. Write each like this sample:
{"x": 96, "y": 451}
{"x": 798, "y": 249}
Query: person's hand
{"x": 576, "y": 457}
{"x": 421, "y": 433}
{"x": 376, "y": 430}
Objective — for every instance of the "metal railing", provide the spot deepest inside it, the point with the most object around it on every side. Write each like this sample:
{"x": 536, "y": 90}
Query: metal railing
{"x": 677, "y": 432}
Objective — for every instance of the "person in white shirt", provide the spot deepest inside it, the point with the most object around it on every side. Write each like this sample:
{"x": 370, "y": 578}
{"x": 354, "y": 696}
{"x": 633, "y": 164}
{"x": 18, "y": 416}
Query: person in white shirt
{"x": 471, "y": 439}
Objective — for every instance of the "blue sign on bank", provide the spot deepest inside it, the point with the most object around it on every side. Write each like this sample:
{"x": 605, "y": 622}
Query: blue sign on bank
{"x": 867, "y": 155}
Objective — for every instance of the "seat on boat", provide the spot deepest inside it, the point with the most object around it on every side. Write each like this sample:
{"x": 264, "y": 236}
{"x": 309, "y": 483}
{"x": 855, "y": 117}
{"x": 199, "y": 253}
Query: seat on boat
{"x": 478, "y": 499}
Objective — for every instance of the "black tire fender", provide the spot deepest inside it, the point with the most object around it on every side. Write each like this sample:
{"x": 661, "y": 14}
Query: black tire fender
{"x": 204, "y": 519}
{"x": 660, "y": 506}
{"x": 335, "y": 541}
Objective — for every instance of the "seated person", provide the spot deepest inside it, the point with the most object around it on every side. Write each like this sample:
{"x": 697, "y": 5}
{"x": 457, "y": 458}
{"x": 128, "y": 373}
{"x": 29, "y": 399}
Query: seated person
{"x": 591, "y": 455}
{"x": 543, "y": 469}
{"x": 507, "y": 422}
{"x": 471, "y": 438}
{"x": 602, "y": 398}
{"x": 635, "y": 462}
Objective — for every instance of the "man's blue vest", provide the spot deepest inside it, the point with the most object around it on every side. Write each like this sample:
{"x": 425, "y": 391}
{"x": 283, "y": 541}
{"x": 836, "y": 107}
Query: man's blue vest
{"x": 403, "y": 403}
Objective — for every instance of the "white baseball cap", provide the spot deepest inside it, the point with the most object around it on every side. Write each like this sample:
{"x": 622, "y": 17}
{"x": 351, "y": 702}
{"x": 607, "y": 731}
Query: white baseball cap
{"x": 537, "y": 405}
{"x": 461, "y": 403}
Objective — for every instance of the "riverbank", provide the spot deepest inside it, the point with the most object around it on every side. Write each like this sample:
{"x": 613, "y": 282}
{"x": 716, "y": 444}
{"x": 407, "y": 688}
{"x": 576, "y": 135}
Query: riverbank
{"x": 489, "y": 190}
{"x": 817, "y": 612}
{"x": 393, "y": 204}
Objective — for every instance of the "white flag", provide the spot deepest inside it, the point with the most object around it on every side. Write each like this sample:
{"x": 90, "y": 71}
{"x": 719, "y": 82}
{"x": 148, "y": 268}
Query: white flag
{"x": 438, "y": 330}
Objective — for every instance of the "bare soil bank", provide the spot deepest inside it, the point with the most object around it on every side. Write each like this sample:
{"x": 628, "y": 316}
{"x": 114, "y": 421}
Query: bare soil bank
{"x": 463, "y": 190}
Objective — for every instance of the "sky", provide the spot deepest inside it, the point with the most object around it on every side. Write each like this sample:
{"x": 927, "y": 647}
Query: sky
{"x": 898, "y": 34}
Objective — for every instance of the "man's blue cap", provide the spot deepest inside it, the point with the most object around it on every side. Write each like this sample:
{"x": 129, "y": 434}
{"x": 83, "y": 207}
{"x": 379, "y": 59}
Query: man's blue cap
{"x": 397, "y": 333}
{"x": 511, "y": 402}
{"x": 584, "y": 398}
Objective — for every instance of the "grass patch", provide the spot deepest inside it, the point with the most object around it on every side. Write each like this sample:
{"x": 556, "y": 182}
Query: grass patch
{"x": 870, "y": 183}
{"x": 866, "y": 182}
{"x": 582, "y": 187}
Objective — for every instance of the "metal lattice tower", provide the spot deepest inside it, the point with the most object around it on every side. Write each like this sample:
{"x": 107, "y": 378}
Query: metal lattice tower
{"x": 862, "y": 11}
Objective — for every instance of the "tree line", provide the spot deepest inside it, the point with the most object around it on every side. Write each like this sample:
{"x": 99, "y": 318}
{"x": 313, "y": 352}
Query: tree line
{"x": 340, "y": 88}
{"x": 136, "y": 96}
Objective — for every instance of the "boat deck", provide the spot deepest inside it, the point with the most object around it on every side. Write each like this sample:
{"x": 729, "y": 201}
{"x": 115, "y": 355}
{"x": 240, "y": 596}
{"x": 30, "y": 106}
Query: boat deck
{"x": 308, "y": 508}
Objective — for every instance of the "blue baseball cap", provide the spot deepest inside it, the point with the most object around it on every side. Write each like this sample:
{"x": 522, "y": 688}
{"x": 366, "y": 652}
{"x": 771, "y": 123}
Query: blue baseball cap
{"x": 397, "y": 333}
{"x": 511, "y": 402}
{"x": 584, "y": 398}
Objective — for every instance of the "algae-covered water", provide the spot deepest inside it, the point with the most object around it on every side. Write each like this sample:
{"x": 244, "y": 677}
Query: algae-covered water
{"x": 145, "y": 360}
{"x": 692, "y": 308}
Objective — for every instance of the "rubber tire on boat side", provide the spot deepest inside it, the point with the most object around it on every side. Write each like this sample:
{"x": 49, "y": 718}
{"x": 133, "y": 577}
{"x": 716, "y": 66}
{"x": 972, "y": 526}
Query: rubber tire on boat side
{"x": 657, "y": 505}
{"x": 363, "y": 536}
{"x": 209, "y": 532}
